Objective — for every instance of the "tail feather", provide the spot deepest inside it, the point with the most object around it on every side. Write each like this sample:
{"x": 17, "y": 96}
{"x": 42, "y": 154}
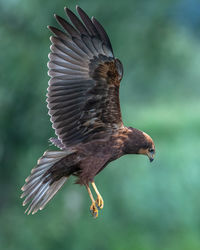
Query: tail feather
{"x": 50, "y": 193}
{"x": 39, "y": 189}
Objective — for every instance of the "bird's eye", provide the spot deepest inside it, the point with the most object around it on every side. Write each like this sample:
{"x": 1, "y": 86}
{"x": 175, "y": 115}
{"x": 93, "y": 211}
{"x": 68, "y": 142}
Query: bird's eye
{"x": 151, "y": 150}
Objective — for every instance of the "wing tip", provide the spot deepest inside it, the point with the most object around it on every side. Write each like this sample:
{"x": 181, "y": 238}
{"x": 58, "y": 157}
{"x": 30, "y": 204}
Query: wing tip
{"x": 58, "y": 18}
{"x": 51, "y": 28}
{"x": 67, "y": 10}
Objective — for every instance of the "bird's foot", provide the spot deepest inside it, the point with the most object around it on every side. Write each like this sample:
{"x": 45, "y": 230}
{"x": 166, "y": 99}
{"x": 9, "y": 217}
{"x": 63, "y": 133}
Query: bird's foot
{"x": 94, "y": 210}
{"x": 99, "y": 202}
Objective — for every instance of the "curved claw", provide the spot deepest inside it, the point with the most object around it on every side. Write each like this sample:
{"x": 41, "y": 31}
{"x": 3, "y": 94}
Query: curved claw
{"x": 94, "y": 210}
{"x": 99, "y": 202}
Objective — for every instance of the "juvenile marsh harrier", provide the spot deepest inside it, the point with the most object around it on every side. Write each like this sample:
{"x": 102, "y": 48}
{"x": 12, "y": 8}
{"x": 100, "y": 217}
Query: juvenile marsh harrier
{"x": 83, "y": 103}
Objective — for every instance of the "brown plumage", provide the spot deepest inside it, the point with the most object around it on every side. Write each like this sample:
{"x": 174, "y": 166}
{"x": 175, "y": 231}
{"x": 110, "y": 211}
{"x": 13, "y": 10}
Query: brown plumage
{"x": 83, "y": 102}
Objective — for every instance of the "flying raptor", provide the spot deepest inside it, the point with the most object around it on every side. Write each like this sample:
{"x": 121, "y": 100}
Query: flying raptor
{"x": 83, "y": 103}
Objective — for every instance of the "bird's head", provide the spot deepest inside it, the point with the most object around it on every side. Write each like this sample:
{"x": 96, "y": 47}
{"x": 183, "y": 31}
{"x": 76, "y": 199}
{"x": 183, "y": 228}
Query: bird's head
{"x": 140, "y": 143}
{"x": 148, "y": 148}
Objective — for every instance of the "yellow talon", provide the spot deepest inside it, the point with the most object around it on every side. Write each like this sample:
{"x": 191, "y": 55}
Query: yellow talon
{"x": 96, "y": 205}
{"x": 94, "y": 210}
{"x": 99, "y": 202}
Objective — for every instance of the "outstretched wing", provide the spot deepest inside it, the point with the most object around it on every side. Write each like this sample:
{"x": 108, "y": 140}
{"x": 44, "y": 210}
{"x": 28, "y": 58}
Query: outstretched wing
{"x": 83, "y": 92}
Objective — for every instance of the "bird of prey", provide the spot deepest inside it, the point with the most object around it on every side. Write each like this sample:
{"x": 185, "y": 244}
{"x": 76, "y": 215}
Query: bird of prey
{"x": 83, "y": 103}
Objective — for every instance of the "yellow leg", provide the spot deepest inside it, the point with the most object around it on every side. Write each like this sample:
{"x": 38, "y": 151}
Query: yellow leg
{"x": 93, "y": 207}
{"x": 99, "y": 201}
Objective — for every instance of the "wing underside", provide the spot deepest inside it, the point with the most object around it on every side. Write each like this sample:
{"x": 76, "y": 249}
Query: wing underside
{"x": 83, "y": 92}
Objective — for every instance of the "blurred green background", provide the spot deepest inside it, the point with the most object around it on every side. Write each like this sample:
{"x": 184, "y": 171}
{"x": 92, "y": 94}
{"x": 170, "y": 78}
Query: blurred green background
{"x": 147, "y": 207}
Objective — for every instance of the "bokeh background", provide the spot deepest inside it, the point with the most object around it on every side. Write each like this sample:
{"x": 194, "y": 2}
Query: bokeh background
{"x": 147, "y": 207}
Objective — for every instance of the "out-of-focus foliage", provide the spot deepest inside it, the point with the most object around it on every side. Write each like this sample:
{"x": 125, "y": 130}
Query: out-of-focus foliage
{"x": 147, "y": 207}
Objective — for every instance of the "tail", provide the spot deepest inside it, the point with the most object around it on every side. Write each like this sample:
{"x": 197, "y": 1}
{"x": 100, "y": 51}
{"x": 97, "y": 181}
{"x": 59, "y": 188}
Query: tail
{"x": 39, "y": 188}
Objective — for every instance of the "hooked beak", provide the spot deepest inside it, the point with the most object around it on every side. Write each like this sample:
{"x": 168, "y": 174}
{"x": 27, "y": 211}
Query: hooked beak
{"x": 151, "y": 156}
{"x": 150, "y": 153}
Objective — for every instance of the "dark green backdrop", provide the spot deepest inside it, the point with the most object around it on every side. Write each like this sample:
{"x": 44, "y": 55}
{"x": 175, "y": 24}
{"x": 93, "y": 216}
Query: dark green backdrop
{"x": 147, "y": 207}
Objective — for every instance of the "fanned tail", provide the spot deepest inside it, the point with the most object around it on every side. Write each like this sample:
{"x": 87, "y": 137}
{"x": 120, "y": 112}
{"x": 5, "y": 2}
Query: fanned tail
{"x": 39, "y": 188}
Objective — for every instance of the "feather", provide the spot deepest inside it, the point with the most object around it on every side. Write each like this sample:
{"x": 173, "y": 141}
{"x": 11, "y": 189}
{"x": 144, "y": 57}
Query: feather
{"x": 57, "y": 143}
{"x": 68, "y": 27}
{"x": 61, "y": 113}
{"x": 62, "y": 75}
{"x": 52, "y": 191}
{"x": 58, "y": 33}
{"x": 97, "y": 45}
{"x": 35, "y": 199}
{"x": 88, "y": 23}
{"x": 71, "y": 83}
{"x": 102, "y": 33}
{"x": 72, "y": 46}
{"x": 70, "y": 94}
{"x": 65, "y": 117}
{"x": 37, "y": 189}
{"x": 65, "y": 108}
{"x": 63, "y": 63}
{"x": 62, "y": 47}
{"x": 76, "y": 22}
{"x": 107, "y": 51}
{"x": 87, "y": 41}
{"x": 83, "y": 47}
{"x": 69, "y": 100}
{"x": 60, "y": 69}
{"x": 59, "y": 53}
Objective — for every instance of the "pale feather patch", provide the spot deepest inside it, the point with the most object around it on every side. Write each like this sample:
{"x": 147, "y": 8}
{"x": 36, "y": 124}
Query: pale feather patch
{"x": 37, "y": 190}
